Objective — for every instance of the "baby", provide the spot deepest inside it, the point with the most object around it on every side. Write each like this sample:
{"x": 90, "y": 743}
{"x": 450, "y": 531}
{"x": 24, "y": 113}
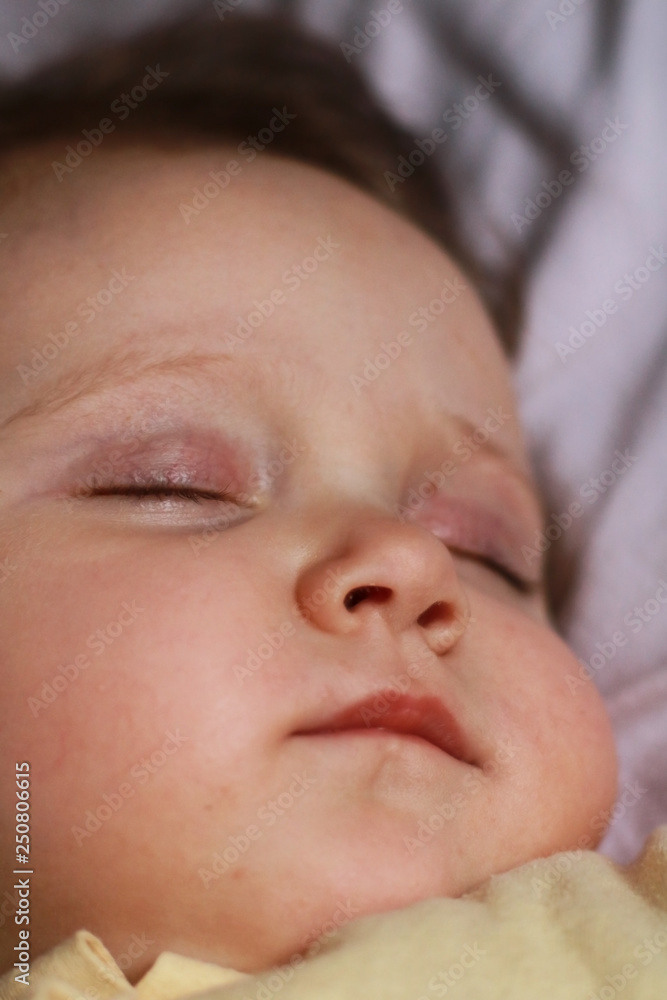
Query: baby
{"x": 273, "y": 653}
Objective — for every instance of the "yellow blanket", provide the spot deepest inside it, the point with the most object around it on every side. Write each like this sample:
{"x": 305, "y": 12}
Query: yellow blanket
{"x": 573, "y": 926}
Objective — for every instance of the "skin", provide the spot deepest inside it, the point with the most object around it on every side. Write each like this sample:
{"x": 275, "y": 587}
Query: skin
{"x": 325, "y": 467}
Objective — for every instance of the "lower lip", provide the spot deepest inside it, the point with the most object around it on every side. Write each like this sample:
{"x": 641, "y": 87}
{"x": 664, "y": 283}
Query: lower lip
{"x": 376, "y": 732}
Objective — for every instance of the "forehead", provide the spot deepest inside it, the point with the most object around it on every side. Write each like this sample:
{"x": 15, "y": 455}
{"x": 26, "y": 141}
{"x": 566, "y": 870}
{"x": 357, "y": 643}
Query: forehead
{"x": 188, "y": 250}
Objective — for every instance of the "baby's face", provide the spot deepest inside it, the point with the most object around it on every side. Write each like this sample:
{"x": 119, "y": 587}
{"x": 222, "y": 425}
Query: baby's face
{"x": 264, "y": 495}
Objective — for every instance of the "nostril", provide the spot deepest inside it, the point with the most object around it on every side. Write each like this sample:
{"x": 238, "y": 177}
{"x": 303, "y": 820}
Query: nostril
{"x": 437, "y": 613}
{"x": 443, "y": 623}
{"x": 358, "y": 594}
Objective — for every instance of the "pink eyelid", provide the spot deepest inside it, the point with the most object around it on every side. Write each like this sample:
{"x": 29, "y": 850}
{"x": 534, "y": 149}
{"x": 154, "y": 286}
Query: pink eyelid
{"x": 469, "y": 527}
{"x": 176, "y": 457}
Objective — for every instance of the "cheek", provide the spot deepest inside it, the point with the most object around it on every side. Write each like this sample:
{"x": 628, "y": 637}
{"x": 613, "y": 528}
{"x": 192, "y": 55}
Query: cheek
{"x": 571, "y": 703}
{"x": 560, "y": 721}
{"x": 105, "y": 656}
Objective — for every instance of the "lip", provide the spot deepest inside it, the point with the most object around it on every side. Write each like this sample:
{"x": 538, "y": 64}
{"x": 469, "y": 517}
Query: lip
{"x": 426, "y": 717}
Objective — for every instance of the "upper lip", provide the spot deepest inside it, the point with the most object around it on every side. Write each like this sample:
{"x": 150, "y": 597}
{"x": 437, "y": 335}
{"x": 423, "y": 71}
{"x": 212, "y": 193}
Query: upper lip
{"x": 424, "y": 715}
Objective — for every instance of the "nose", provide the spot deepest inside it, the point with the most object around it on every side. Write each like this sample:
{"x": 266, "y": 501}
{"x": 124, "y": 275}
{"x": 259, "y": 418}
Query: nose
{"x": 384, "y": 568}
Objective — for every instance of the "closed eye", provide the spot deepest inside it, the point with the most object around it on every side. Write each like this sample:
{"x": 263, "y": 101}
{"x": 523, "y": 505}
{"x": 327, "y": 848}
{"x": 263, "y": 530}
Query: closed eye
{"x": 160, "y": 491}
{"x": 519, "y": 584}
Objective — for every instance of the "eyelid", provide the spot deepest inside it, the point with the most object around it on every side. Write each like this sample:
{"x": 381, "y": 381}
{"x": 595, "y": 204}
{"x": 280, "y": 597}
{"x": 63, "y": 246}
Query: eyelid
{"x": 475, "y": 530}
{"x": 162, "y": 506}
{"x": 519, "y": 583}
{"x": 201, "y": 457}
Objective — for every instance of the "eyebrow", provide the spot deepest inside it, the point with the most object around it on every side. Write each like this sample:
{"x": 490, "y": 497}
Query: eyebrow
{"x": 113, "y": 370}
{"x": 463, "y": 426}
{"x": 133, "y": 365}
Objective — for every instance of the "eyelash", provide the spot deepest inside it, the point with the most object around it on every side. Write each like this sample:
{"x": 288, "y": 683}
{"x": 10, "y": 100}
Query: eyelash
{"x": 162, "y": 492}
{"x": 517, "y": 582}
{"x": 199, "y": 495}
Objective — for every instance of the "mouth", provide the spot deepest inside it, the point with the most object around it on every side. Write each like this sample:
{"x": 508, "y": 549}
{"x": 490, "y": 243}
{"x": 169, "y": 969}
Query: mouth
{"x": 426, "y": 718}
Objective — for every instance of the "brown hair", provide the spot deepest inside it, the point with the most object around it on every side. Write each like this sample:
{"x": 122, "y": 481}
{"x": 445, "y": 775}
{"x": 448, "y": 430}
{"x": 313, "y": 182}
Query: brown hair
{"x": 224, "y": 80}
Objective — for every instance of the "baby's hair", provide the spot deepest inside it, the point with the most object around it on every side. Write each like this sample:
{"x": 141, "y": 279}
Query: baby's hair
{"x": 223, "y": 82}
